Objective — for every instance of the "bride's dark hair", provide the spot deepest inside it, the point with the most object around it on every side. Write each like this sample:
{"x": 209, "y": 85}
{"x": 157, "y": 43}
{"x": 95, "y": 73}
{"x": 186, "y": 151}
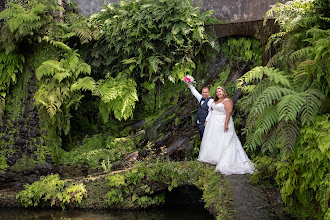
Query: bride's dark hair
{"x": 215, "y": 97}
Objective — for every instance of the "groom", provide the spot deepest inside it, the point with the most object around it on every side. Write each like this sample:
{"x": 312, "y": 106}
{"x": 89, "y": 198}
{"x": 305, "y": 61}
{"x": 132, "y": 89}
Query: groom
{"x": 205, "y": 102}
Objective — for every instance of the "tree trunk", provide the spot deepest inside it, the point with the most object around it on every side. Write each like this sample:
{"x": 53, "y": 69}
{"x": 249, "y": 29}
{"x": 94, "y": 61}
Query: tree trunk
{"x": 60, "y": 15}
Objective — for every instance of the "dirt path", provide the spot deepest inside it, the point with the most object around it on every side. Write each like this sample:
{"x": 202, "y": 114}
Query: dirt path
{"x": 251, "y": 202}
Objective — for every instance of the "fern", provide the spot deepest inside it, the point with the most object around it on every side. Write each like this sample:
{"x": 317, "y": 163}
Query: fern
{"x": 258, "y": 73}
{"x": 290, "y": 106}
{"x": 21, "y": 23}
{"x": 159, "y": 35}
{"x": 78, "y": 26}
{"x": 118, "y": 95}
{"x": 289, "y": 14}
{"x": 60, "y": 89}
{"x": 269, "y": 96}
{"x": 311, "y": 107}
{"x": 302, "y": 42}
{"x": 84, "y": 84}
{"x": 274, "y": 107}
{"x": 242, "y": 49}
{"x": 304, "y": 176}
{"x": 288, "y": 133}
{"x": 52, "y": 191}
{"x": 270, "y": 143}
{"x": 268, "y": 119}
{"x": 10, "y": 65}
{"x": 60, "y": 45}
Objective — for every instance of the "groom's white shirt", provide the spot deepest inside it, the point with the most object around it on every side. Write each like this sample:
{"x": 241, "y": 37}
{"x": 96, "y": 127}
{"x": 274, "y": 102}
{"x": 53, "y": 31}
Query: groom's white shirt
{"x": 199, "y": 98}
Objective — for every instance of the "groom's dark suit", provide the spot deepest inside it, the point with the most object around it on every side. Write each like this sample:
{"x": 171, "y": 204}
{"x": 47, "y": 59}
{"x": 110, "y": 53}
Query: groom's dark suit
{"x": 203, "y": 109}
{"x": 202, "y": 112}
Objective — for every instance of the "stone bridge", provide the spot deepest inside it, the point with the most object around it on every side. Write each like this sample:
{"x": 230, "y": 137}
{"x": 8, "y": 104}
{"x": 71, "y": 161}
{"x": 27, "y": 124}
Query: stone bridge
{"x": 252, "y": 29}
{"x": 226, "y": 10}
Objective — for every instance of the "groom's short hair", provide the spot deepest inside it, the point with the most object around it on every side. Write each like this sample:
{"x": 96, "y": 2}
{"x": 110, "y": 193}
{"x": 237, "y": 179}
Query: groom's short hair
{"x": 206, "y": 87}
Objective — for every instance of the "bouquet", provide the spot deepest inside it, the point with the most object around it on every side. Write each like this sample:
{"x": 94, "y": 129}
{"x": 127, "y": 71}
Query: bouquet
{"x": 189, "y": 79}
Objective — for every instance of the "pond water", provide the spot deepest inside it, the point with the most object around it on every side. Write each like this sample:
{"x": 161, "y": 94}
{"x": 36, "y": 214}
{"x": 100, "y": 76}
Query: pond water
{"x": 168, "y": 213}
{"x": 182, "y": 203}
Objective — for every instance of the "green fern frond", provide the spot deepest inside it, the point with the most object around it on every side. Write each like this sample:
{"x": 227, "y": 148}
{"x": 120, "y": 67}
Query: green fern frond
{"x": 288, "y": 131}
{"x": 290, "y": 106}
{"x": 303, "y": 76}
{"x": 325, "y": 19}
{"x": 317, "y": 33}
{"x": 269, "y": 96}
{"x": 154, "y": 63}
{"x": 21, "y": 23}
{"x": 86, "y": 83}
{"x": 105, "y": 110}
{"x": 301, "y": 54}
{"x": 267, "y": 119}
{"x": 107, "y": 90}
{"x": 311, "y": 108}
{"x": 84, "y": 34}
{"x": 270, "y": 142}
{"x": 257, "y": 74}
{"x": 119, "y": 94}
{"x": 322, "y": 48}
{"x": 274, "y": 60}
{"x": 68, "y": 35}
{"x": 48, "y": 68}
{"x": 59, "y": 76}
{"x": 250, "y": 124}
{"x": 275, "y": 39}
{"x": 11, "y": 11}
{"x": 58, "y": 44}
{"x": 60, "y": 89}
{"x": 82, "y": 68}
{"x": 253, "y": 140}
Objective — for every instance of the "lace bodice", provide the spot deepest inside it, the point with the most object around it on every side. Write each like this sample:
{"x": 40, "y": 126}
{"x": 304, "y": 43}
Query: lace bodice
{"x": 219, "y": 108}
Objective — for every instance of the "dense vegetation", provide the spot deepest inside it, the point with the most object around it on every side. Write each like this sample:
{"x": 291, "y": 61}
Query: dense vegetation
{"x": 139, "y": 187}
{"x": 117, "y": 81}
{"x": 77, "y": 83}
{"x": 287, "y": 108}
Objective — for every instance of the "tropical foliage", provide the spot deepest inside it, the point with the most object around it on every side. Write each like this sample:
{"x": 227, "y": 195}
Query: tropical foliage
{"x": 151, "y": 41}
{"x": 51, "y": 191}
{"x": 275, "y": 111}
{"x": 58, "y": 90}
{"x": 23, "y": 24}
{"x": 242, "y": 49}
{"x": 304, "y": 46}
{"x": 282, "y": 104}
{"x": 304, "y": 176}
{"x": 10, "y": 66}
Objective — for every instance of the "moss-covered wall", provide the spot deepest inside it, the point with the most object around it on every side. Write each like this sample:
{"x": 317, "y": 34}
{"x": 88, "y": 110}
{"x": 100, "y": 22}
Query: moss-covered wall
{"x": 22, "y": 137}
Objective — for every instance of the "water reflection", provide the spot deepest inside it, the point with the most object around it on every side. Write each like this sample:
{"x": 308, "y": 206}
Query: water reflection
{"x": 165, "y": 213}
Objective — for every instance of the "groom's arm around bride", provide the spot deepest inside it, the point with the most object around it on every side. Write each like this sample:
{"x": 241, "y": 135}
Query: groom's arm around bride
{"x": 204, "y": 106}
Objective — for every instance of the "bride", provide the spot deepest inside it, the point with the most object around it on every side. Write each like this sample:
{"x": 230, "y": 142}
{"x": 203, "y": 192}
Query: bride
{"x": 220, "y": 145}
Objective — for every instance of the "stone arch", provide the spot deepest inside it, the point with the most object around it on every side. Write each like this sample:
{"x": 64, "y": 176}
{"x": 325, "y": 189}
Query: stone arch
{"x": 250, "y": 28}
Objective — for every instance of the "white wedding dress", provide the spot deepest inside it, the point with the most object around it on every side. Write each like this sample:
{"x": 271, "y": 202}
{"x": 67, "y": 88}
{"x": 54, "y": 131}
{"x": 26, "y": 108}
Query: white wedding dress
{"x": 223, "y": 149}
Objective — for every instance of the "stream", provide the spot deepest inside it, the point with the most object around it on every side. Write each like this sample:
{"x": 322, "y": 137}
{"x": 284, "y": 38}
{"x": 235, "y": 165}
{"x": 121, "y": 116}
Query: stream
{"x": 163, "y": 213}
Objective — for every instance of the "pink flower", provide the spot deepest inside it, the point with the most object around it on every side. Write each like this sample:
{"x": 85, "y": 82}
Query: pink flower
{"x": 186, "y": 79}
{"x": 189, "y": 79}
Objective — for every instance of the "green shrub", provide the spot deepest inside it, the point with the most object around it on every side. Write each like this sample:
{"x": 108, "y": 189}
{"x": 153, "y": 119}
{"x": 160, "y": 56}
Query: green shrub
{"x": 50, "y": 190}
{"x": 3, "y": 163}
{"x": 243, "y": 49}
{"x": 93, "y": 150}
{"x": 304, "y": 177}
{"x": 138, "y": 187}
